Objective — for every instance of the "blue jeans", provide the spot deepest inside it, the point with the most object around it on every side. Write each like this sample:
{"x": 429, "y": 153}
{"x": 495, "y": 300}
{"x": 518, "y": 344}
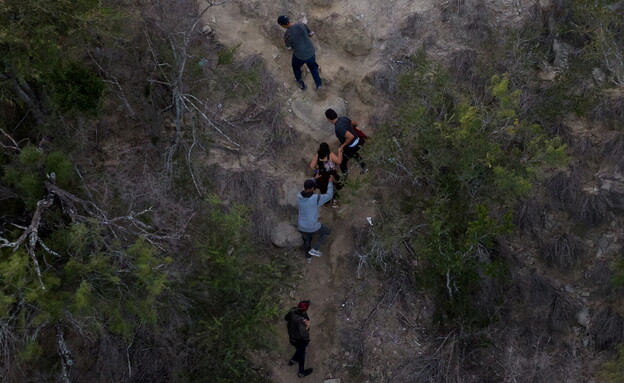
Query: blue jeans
{"x": 312, "y": 65}
{"x": 324, "y": 232}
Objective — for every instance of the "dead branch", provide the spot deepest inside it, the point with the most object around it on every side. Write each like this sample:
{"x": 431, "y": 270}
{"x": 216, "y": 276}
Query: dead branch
{"x": 67, "y": 360}
{"x": 113, "y": 80}
{"x": 32, "y": 234}
{"x": 13, "y": 145}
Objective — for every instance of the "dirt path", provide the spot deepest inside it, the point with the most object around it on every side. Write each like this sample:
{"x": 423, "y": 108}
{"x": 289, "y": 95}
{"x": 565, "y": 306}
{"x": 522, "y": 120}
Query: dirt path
{"x": 350, "y": 45}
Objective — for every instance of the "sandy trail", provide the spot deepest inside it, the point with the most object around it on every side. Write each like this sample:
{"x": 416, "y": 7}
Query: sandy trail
{"x": 252, "y": 24}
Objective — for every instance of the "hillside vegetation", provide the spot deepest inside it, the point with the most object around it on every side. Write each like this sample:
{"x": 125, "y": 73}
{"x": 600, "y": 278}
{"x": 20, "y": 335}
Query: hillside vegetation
{"x": 128, "y": 254}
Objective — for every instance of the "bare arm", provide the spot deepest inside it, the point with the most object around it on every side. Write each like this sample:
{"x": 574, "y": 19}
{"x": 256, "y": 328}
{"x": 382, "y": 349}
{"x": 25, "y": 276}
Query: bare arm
{"x": 287, "y": 40}
{"x": 336, "y": 158}
{"x": 310, "y": 33}
{"x": 314, "y": 162}
{"x": 330, "y": 193}
{"x": 348, "y": 140}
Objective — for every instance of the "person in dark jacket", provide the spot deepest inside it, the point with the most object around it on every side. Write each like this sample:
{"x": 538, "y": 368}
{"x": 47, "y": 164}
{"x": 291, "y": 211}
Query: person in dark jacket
{"x": 297, "y": 38}
{"x": 350, "y": 143}
{"x": 298, "y": 324}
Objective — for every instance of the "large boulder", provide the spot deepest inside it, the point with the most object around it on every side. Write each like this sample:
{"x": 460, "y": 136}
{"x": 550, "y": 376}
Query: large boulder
{"x": 286, "y": 235}
{"x": 312, "y": 113}
{"x": 350, "y": 33}
{"x": 275, "y": 33}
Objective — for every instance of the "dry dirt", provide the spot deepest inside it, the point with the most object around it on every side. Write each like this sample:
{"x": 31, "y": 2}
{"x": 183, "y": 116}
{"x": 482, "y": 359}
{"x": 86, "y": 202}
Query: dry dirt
{"x": 358, "y": 325}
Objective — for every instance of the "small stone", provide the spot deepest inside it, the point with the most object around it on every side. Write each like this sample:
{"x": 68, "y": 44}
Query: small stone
{"x": 332, "y": 381}
{"x": 347, "y": 353}
{"x": 207, "y": 29}
{"x": 585, "y": 294}
{"x": 291, "y": 294}
{"x": 547, "y": 75}
{"x": 599, "y": 75}
{"x": 569, "y": 289}
{"x": 582, "y": 317}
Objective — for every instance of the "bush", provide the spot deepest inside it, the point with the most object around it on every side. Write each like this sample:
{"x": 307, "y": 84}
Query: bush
{"x": 562, "y": 251}
{"x": 470, "y": 163}
{"x": 75, "y": 88}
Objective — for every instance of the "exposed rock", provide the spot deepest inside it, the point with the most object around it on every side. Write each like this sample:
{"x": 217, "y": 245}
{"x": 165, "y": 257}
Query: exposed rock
{"x": 382, "y": 80}
{"x": 254, "y": 8}
{"x": 275, "y": 34}
{"x": 313, "y": 115}
{"x": 582, "y": 317}
{"x": 616, "y": 7}
{"x": 206, "y": 30}
{"x": 599, "y": 75}
{"x": 547, "y": 75}
{"x": 290, "y": 189}
{"x": 411, "y": 25}
{"x": 350, "y": 33}
{"x": 357, "y": 39}
{"x": 562, "y": 52}
{"x": 284, "y": 234}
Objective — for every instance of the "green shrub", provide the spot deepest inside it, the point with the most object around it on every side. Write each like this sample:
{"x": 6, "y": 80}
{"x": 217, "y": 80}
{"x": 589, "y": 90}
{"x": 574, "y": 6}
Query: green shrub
{"x": 234, "y": 293}
{"x": 31, "y": 168}
{"x": 613, "y": 371}
{"x": 75, "y": 88}
{"x": 461, "y": 167}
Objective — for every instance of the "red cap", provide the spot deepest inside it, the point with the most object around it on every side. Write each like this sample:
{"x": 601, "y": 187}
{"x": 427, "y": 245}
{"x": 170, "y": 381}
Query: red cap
{"x": 303, "y": 305}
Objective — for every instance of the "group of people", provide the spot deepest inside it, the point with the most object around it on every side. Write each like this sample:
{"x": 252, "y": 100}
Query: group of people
{"x": 325, "y": 165}
{"x": 326, "y": 179}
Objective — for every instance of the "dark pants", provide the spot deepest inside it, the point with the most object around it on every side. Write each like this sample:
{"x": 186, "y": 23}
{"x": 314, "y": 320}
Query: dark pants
{"x": 323, "y": 182}
{"x": 324, "y": 232}
{"x": 349, "y": 153}
{"x": 300, "y": 353}
{"x": 312, "y": 65}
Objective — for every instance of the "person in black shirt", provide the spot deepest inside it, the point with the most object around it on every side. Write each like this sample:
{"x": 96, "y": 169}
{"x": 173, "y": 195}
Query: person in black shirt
{"x": 297, "y": 38}
{"x": 350, "y": 143}
{"x": 298, "y": 325}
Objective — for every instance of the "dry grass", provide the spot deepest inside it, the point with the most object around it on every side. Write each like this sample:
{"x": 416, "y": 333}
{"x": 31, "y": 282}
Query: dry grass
{"x": 607, "y": 328}
{"x": 562, "y": 251}
{"x": 613, "y": 149}
{"x": 561, "y": 310}
{"x": 600, "y": 276}
{"x": 610, "y": 111}
{"x": 564, "y": 188}
{"x": 529, "y": 216}
{"x": 258, "y": 191}
{"x": 592, "y": 208}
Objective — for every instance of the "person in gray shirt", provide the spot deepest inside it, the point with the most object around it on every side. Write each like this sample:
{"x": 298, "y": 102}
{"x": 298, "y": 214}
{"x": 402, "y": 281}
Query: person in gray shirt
{"x": 308, "y": 224}
{"x": 297, "y": 38}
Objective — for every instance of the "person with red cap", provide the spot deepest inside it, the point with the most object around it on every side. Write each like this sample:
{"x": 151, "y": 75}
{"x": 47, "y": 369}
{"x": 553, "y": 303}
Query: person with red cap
{"x": 298, "y": 325}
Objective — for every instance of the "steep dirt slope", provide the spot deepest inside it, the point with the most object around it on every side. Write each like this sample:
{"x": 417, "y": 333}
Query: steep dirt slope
{"x": 355, "y": 39}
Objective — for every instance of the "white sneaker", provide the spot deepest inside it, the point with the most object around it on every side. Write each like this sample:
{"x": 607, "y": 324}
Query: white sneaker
{"x": 316, "y": 253}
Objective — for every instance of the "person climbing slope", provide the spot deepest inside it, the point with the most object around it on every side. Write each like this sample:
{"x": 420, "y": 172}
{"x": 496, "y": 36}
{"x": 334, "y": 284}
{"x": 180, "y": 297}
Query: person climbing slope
{"x": 298, "y": 325}
{"x": 309, "y": 204}
{"x": 350, "y": 143}
{"x": 297, "y": 38}
{"x": 324, "y": 162}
